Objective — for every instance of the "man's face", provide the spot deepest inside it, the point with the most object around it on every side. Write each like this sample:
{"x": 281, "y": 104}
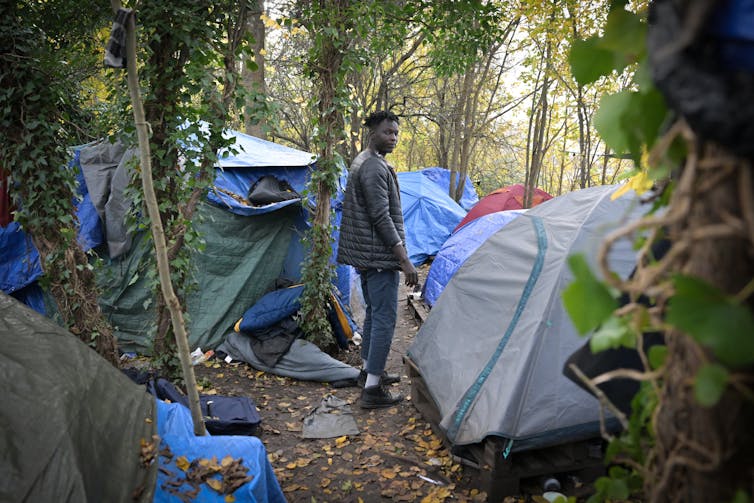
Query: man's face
{"x": 385, "y": 136}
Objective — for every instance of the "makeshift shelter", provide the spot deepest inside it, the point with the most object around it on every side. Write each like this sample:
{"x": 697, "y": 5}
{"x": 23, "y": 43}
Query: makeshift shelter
{"x": 506, "y": 198}
{"x": 74, "y": 426}
{"x": 458, "y": 247}
{"x": 429, "y": 215}
{"x": 441, "y": 177}
{"x": 248, "y": 246}
{"x": 491, "y": 351}
{"x": 252, "y": 225}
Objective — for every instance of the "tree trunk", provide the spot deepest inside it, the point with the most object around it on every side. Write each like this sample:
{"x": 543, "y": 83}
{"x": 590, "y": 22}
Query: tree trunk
{"x": 76, "y": 297}
{"x": 254, "y": 81}
{"x": 706, "y": 454}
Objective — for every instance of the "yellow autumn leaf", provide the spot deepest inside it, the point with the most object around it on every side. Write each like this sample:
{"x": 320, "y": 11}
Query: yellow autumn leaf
{"x": 639, "y": 183}
{"x": 388, "y": 473}
{"x": 301, "y": 462}
{"x": 291, "y": 466}
{"x": 215, "y": 484}
{"x": 325, "y": 482}
{"x": 182, "y": 463}
{"x": 229, "y": 498}
{"x": 340, "y": 441}
{"x": 227, "y": 460}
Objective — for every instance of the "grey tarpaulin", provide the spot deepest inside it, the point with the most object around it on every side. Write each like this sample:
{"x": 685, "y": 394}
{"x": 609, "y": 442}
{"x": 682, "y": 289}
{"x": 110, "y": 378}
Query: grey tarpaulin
{"x": 332, "y": 418}
{"x": 106, "y": 169}
{"x": 304, "y": 360}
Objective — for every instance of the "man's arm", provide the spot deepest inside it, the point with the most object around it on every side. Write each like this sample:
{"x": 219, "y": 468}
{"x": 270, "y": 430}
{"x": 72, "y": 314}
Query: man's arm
{"x": 374, "y": 184}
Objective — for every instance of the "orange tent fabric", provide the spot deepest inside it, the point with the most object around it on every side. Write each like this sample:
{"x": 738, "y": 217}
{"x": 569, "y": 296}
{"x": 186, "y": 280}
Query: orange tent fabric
{"x": 506, "y": 198}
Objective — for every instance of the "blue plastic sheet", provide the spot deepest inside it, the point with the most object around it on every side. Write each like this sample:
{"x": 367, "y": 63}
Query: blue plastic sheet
{"x": 459, "y": 247}
{"x": 441, "y": 177}
{"x": 175, "y": 428}
{"x": 429, "y": 215}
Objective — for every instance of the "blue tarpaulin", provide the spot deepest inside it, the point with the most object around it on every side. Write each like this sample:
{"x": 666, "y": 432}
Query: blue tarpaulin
{"x": 176, "y": 432}
{"x": 429, "y": 215}
{"x": 441, "y": 177}
{"x": 459, "y": 247}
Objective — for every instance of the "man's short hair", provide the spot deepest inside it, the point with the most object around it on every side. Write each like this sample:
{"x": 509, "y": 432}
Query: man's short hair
{"x": 376, "y": 118}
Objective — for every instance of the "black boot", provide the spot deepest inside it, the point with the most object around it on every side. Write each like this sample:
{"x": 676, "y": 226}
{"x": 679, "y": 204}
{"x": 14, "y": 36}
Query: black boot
{"x": 385, "y": 379}
{"x": 377, "y": 397}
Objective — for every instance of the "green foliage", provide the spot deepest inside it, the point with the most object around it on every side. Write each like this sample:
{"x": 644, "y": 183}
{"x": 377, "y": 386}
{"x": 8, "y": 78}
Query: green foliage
{"x": 630, "y": 123}
{"x": 587, "y": 300}
{"x": 630, "y": 120}
{"x": 715, "y": 320}
{"x": 710, "y": 383}
{"x": 187, "y": 56}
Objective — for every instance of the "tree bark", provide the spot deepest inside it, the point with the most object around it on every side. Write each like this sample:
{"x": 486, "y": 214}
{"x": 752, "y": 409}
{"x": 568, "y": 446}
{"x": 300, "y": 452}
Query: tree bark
{"x": 706, "y": 454}
{"x": 254, "y": 81}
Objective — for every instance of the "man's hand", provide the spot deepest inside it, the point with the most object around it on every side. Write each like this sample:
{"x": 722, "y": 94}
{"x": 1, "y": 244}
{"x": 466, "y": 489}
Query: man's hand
{"x": 409, "y": 271}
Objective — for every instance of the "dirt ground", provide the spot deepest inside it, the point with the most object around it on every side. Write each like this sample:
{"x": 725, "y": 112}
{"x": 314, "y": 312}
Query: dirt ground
{"x": 395, "y": 456}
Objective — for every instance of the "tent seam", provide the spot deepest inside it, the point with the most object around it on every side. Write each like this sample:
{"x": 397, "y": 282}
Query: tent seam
{"x": 471, "y": 394}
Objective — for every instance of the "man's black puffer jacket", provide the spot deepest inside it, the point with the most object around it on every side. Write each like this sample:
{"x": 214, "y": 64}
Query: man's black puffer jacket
{"x": 372, "y": 222}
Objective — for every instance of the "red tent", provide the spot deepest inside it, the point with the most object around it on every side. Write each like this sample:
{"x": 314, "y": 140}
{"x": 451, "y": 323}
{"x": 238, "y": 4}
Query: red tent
{"x": 507, "y": 198}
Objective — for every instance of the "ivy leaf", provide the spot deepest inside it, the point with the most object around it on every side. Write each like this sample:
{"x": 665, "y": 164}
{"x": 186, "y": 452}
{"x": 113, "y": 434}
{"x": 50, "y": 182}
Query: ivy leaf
{"x": 589, "y": 61}
{"x": 625, "y": 32}
{"x": 657, "y": 355}
{"x": 587, "y": 300}
{"x": 712, "y": 319}
{"x": 644, "y": 117}
{"x": 710, "y": 383}
{"x": 609, "y": 120}
{"x": 628, "y": 120}
{"x": 613, "y": 333}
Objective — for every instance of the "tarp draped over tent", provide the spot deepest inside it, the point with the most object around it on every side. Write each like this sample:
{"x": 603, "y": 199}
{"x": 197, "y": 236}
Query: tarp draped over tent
{"x": 247, "y": 247}
{"x": 72, "y": 423}
{"x": 458, "y": 247}
{"x": 73, "y": 426}
{"x": 505, "y": 198}
{"x": 429, "y": 215}
{"x": 441, "y": 177}
{"x": 492, "y": 349}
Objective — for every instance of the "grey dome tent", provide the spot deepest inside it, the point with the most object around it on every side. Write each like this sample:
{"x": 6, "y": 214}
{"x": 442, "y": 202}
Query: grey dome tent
{"x": 491, "y": 351}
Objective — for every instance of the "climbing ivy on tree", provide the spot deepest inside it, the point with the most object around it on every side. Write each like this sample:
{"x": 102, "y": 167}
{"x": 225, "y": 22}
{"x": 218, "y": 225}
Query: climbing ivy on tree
{"x": 192, "y": 52}
{"x": 655, "y": 453}
{"x": 43, "y": 106}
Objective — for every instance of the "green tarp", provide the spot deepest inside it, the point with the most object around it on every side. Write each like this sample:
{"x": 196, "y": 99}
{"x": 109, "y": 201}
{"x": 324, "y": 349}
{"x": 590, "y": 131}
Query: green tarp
{"x": 71, "y": 424}
{"x": 242, "y": 258}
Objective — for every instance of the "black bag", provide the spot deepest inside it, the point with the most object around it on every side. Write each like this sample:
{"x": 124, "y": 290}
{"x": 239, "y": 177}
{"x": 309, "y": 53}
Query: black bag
{"x": 223, "y": 415}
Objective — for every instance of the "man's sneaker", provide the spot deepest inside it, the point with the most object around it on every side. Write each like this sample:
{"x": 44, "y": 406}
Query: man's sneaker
{"x": 377, "y": 397}
{"x": 386, "y": 379}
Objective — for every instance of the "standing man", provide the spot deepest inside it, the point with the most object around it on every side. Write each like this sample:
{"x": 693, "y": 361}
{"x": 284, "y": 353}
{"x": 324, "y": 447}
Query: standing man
{"x": 373, "y": 241}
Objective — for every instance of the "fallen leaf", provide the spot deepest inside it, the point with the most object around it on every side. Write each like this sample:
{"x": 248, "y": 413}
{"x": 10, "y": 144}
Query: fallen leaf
{"x": 325, "y": 482}
{"x": 388, "y": 473}
{"x": 215, "y": 484}
{"x": 182, "y": 463}
{"x": 229, "y": 498}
